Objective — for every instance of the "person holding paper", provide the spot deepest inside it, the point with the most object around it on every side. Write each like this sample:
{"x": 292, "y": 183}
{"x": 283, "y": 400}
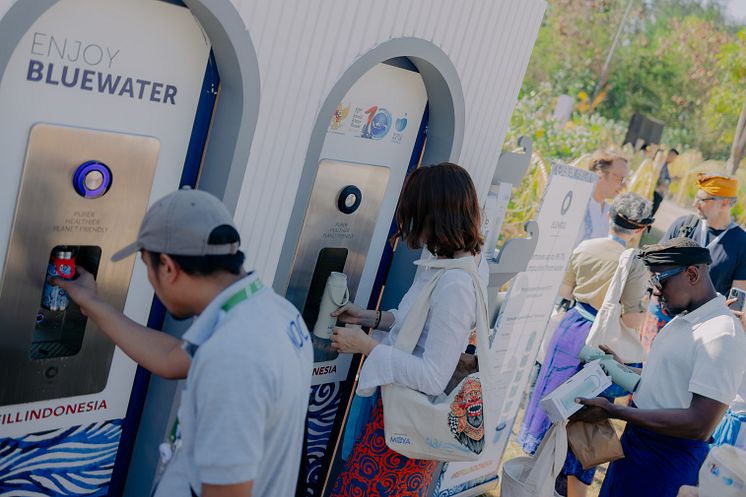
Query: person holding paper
{"x": 691, "y": 376}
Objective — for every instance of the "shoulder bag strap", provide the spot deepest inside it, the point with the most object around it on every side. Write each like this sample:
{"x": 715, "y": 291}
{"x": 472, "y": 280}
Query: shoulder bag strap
{"x": 614, "y": 293}
{"x": 414, "y": 322}
{"x": 687, "y": 229}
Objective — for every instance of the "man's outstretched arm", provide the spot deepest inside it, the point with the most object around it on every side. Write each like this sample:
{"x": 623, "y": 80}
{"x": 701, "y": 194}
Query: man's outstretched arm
{"x": 697, "y": 422}
{"x": 157, "y": 352}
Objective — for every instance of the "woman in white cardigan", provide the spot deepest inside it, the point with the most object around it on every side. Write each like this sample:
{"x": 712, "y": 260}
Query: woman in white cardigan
{"x": 438, "y": 209}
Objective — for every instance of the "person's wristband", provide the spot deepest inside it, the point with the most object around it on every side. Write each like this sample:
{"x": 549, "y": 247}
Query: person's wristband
{"x": 378, "y": 320}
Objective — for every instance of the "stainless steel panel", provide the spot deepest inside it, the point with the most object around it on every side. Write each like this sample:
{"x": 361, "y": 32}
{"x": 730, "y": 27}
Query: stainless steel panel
{"x": 325, "y": 225}
{"x": 50, "y": 212}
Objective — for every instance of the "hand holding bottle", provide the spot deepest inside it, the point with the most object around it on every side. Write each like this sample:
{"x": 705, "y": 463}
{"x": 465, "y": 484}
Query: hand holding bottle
{"x": 354, "y": 314}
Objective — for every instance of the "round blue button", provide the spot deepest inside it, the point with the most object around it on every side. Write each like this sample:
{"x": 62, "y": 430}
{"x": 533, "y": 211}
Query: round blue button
{"x": 92, "y": 179}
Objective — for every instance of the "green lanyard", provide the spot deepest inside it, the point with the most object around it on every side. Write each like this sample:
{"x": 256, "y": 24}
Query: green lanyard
{"x": 243, "y": 294}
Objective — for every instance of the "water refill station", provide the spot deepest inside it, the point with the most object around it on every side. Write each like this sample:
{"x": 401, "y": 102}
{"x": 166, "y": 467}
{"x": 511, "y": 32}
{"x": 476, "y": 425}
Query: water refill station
{"x": 304, "y": 118}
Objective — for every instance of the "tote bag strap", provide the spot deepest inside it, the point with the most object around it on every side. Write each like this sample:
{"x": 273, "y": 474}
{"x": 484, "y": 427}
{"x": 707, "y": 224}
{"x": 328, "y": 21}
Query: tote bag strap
{"x": 549, "y": 460}
{"x": 413, "y": 324}
{"x": 614, "y": 293}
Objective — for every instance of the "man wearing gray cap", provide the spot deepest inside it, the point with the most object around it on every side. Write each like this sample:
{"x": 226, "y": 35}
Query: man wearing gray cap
{"x": 247, "y": 357}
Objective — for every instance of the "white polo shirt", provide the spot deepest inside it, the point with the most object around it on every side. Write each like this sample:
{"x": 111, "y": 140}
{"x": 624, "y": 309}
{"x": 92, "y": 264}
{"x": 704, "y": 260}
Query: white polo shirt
{"x": 243, "y": 407}
{"x": 702, "y": 352}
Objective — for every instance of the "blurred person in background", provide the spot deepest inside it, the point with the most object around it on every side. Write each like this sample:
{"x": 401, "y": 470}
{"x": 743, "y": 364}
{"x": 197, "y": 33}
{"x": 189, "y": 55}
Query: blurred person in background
{"x": 612, "y": 171}
{"x": 664, "y": 180}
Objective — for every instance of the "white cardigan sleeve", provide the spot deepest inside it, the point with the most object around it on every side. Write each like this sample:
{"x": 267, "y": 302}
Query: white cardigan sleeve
{"x": 450, "y": 319}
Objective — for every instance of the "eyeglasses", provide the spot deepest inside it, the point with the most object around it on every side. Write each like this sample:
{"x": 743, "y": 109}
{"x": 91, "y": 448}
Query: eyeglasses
{"x": 622, "y": 180}
{"x": 703, "y": 199}
{"x": 656, "y": 280}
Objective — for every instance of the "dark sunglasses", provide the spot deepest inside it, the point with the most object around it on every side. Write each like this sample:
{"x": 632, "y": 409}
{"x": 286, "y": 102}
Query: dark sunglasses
{"x": 656, "y": 280}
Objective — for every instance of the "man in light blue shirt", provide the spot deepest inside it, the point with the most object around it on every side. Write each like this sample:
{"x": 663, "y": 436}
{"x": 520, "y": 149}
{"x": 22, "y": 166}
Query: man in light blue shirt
{"x": 247, "y": 358}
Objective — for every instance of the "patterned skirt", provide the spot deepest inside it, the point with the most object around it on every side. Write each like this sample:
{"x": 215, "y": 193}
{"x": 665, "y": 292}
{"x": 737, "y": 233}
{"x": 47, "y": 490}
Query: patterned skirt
{"x": 374, "y": 470}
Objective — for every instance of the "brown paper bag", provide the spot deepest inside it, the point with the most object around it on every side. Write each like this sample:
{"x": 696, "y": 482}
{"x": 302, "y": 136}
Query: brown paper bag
{"x": 594, "y": 443}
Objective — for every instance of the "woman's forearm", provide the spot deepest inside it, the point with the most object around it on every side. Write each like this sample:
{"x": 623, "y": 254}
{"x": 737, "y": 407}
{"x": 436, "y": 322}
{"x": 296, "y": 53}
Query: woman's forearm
{"x": 371, "y": 316}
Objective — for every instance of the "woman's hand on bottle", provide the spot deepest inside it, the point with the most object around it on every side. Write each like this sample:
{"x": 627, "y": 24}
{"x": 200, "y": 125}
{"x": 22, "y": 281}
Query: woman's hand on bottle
{"x": 354, "y": 314}
{"x": 352, "y": 340}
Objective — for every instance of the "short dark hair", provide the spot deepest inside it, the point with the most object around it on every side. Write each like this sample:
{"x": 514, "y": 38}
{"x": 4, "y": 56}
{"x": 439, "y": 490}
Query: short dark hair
{"x": 206, "y": 265}
{"x": 673, "y": 151}
{"x": 439, "y": 204}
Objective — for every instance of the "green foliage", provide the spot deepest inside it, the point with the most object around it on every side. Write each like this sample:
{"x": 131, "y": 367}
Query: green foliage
{"x": 726, "y": 98}
{"x": 670, "y": 64}
{"x": 584, "y": 133}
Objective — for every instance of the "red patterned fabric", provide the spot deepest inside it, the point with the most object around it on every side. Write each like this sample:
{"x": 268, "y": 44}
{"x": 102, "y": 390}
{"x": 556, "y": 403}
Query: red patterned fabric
{"x": 374, "y": 470}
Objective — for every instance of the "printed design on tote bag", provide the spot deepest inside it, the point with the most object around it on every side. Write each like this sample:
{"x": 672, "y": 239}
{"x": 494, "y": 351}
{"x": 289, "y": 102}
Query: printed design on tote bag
{"x": 466, "y": 418}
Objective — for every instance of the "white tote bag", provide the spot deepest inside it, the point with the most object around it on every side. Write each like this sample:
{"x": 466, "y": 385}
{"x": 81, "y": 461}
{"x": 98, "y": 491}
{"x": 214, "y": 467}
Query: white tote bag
{"x": 723, "y": 474}
{"x": 535, "y": 476}
{"x": 449, "y": 427}
{"x": 608, "y": 328}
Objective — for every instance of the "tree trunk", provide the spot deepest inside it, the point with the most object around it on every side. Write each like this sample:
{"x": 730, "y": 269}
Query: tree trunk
{"x": 739, "y": 143}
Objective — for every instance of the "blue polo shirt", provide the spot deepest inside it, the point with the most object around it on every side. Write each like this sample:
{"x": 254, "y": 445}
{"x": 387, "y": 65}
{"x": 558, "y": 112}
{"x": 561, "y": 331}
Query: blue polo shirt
{"x": 728, "y": 255}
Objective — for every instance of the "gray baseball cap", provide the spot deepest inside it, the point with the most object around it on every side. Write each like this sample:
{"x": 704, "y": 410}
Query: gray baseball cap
{"x": 180, "y": 224}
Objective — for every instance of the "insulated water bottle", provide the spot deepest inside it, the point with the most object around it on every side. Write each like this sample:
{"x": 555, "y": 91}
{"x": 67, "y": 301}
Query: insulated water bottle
{"x": 335, "y": 296}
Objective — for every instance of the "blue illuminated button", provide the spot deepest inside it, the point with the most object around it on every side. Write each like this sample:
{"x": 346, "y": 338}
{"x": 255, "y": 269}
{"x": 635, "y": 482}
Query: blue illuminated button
{"x": 92, "y": 179}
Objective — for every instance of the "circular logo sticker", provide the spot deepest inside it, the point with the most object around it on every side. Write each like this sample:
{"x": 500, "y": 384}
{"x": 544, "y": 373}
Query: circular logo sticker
{"x": 380, "y": 124}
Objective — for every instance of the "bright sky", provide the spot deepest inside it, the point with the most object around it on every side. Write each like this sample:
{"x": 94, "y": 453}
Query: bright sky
{"x": 736, "y": 9}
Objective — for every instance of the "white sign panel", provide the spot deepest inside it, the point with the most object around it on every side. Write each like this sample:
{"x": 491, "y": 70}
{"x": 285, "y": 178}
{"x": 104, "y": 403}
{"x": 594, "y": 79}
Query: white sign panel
{"x": 524, "y": 317}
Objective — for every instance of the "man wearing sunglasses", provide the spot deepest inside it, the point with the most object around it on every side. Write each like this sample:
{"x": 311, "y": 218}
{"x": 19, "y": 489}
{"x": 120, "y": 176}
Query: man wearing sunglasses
{"x": 693, "y": 372}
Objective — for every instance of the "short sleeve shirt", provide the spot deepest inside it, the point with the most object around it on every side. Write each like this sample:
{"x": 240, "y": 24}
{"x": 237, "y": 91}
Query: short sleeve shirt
{"x": 592, "y": 266}
{"x": 243, "y": 407}
{"x": 728, "y": 255}
{"x": 701, "y": 352}
{"x": 595, "y": 221}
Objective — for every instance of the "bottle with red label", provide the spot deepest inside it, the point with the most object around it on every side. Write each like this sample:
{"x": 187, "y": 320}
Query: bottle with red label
{"x": 61, "y": 264}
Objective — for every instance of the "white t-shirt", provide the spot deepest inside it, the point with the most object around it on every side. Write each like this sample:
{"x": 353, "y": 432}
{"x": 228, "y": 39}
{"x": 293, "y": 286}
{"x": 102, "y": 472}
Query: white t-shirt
{"x": 700, "y": 352}
{"x": 739, "y": 405}
{"x": 243, "y": 407}
{"x": 444, "y": 337}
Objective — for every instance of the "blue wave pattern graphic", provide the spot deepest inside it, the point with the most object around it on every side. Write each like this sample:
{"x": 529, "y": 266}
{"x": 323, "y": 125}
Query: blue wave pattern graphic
{"x": 60, "y": 463}
{"x": 322, "y": 410}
